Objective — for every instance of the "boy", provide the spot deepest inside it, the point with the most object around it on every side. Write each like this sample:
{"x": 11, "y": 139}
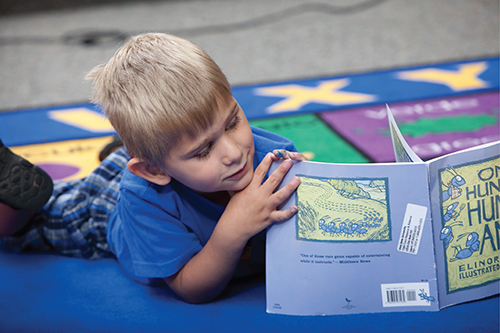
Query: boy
{"x": 188, "y": 197}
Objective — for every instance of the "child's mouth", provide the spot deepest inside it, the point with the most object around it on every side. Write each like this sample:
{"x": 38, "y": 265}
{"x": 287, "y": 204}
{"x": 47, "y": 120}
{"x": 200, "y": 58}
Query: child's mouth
{"x": 239, "y": 174}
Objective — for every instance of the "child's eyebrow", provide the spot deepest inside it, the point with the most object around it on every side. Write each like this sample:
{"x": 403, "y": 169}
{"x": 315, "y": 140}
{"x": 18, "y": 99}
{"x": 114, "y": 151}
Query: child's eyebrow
{"x": 198, "y": 148}
{"x": 233, "y": 112}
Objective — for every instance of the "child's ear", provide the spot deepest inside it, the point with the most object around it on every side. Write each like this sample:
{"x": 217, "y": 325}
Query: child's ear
{"x": 139, "y": 168}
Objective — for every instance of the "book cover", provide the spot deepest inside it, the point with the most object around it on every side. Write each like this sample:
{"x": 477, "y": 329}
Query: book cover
{"x": 465, "y": 198}
{"x": 465, "y": 195}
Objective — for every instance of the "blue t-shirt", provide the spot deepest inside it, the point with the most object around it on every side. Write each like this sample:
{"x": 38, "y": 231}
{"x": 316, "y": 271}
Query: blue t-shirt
{"x": 155, "y": 230}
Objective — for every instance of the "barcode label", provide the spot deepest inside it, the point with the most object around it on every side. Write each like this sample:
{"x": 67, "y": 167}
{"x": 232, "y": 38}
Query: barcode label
{"x": 406, "y": 294}
{"x": 411, "y": 295}
{"x": 401, "y": 296}
{"x": 411, "y": 232}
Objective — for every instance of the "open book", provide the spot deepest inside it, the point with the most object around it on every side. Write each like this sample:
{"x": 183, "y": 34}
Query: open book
{"x": 414, "y": 236}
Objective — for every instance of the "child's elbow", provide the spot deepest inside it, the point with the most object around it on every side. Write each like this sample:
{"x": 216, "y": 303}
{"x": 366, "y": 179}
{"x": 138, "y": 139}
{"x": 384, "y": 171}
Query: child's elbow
{"x": 189, "y": 296}
{"x": 195, "y": 298}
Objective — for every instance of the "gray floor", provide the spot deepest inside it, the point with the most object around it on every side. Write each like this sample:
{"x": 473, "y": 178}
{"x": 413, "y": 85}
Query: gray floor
{"x": 44, "y": 55}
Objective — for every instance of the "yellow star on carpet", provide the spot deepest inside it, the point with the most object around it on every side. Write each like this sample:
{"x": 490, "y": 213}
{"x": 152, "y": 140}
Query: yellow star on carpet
{"x": 327, "y": 92}
{"x": 82, "y": 118}
{"x": 466, "y": 78}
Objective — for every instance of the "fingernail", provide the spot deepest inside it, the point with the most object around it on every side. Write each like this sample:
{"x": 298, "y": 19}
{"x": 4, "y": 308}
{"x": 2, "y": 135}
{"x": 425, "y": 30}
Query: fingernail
{"x": 294, "y": 209}
{"x": 279, "y": 153}
{"x": 295, "y": 181}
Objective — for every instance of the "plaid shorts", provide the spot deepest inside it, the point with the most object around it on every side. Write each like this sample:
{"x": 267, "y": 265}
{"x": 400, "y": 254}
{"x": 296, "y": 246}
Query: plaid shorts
{"x": 74, "y": 220}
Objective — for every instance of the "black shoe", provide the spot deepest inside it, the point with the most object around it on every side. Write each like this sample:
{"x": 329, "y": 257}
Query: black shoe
{"x": 22, "y": 184}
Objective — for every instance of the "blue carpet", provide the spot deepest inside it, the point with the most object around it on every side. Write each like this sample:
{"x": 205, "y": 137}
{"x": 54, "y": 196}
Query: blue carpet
{"x": 50, "y": 293}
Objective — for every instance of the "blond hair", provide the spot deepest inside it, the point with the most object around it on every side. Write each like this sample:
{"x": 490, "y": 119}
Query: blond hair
{"x": 157, "y": 89}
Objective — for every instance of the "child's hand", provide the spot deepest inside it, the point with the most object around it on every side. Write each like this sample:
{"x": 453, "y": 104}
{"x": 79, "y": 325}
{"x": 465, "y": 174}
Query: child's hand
{"x": 284, "y": 154}
{"x": 255, "y": 208}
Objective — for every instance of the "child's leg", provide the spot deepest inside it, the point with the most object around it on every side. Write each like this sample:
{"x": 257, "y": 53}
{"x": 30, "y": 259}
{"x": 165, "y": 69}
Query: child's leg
{"x": 24, "y": 188}
{"x": 114, "y": 145}
{"x": 74, "y": 220}
{"x": 13, "y": 220}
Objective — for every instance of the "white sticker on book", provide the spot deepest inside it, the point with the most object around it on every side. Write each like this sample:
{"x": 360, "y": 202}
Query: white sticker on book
{"x": 406, "y": 294}
{"x": 413, "y": 226}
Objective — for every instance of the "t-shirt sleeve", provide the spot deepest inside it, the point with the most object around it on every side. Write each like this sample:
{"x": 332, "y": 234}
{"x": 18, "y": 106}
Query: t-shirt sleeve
{"x": 266, "y": 142}
{"x": 158, "y": 243}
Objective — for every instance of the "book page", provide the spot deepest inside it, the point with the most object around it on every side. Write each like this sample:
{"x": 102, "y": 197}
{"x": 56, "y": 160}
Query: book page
{"x": 465, "y": 195}
{"x": 402, "y": 150}
{"x": 360, "y": 242}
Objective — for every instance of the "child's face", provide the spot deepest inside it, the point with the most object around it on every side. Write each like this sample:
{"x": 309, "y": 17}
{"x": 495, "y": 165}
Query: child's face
{"x": 220, "y": 158}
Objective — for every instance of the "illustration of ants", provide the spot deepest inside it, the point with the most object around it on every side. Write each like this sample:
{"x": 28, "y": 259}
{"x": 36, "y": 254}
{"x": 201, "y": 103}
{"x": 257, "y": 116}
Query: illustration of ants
{"x": 451, "y": 213}
{"x": 447, "y": 233}
{"x": 348, "y": 229}
{"x": 423, "y": 295}
{"x": 446, "y": 236}
{"x": 453, "y": 189}
{"x": 472, "y": 246}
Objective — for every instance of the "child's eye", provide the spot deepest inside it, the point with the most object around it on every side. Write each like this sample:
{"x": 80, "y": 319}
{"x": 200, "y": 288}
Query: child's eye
{"x": 205, "y": 152}
{"x": 233, "y": 123}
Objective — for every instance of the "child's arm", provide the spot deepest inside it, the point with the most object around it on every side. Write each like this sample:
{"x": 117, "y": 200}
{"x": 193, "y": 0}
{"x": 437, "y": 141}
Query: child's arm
{"x": 249, "y": 211}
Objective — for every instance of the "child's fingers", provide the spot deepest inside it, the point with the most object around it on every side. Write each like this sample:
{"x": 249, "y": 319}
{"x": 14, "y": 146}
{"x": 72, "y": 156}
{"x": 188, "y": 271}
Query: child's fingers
{"x": 281, "y": 153}
{"x": 297, "y": 157}
{"x": 281, "y": 195}
{"x": 284, "y": 154}
{"x": 277, "y": 176}
{"x": 261, "y": 170}
{"x": 282, "y": 215}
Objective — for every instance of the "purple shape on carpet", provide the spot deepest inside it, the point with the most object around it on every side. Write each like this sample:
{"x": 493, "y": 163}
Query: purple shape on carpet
{"x": 367, "y": 127}
{"x": 59, "y": 171}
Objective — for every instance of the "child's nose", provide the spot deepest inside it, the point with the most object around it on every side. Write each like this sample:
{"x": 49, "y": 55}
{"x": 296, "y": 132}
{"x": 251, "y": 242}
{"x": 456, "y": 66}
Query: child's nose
{"x": 231, "y": 151}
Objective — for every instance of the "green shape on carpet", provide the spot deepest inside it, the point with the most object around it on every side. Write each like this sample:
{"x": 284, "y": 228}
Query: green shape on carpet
{"x": 312, "y": 137}
{"x": 462, "y": 123}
